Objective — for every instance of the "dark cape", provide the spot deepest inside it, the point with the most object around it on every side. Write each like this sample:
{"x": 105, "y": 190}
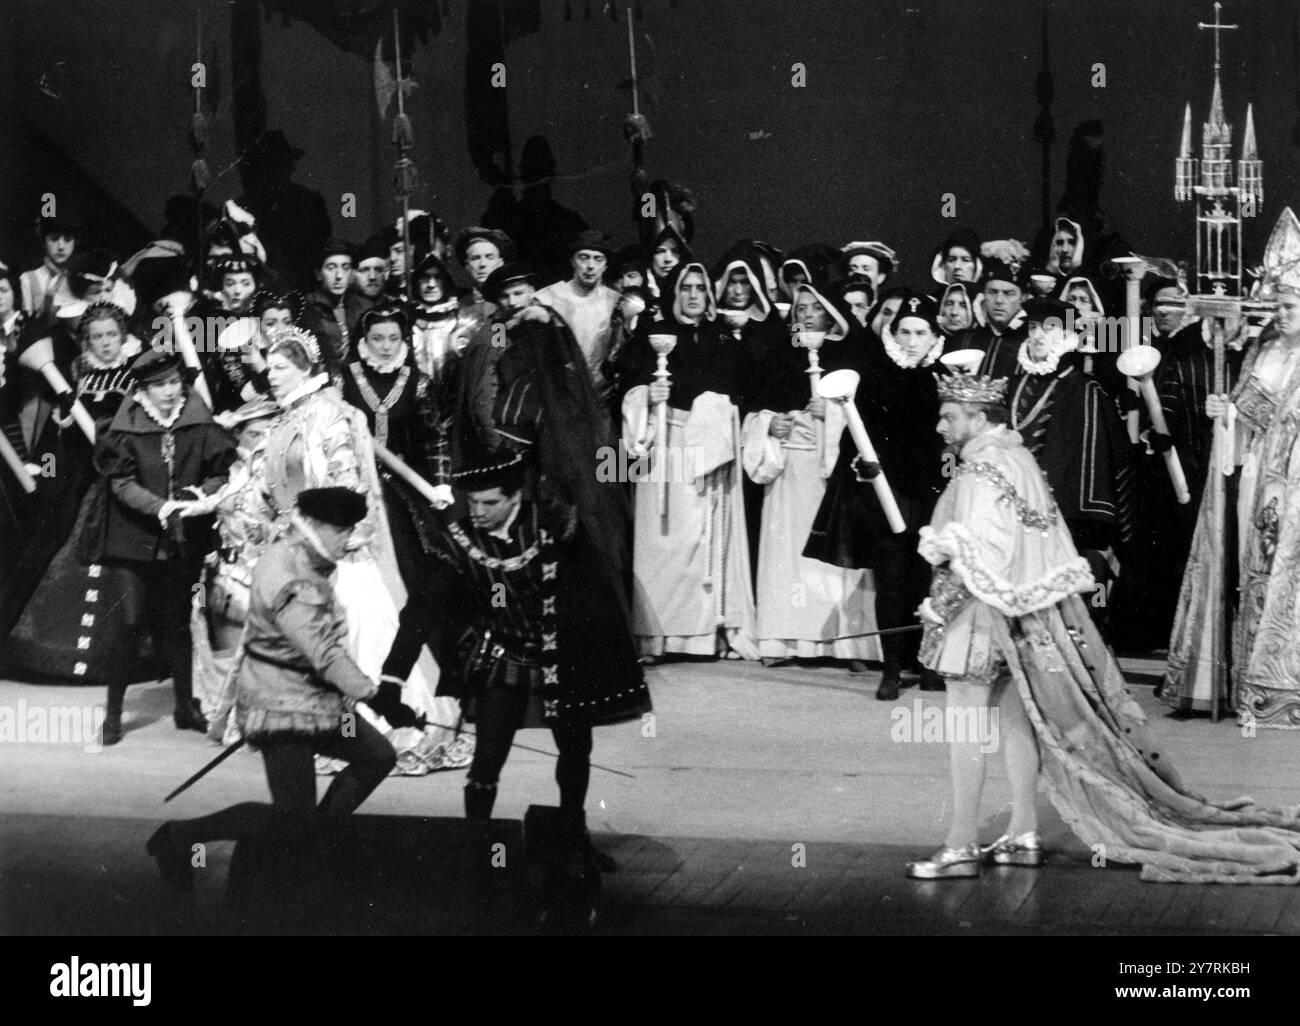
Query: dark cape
{"x": 572, "y": 435}
{"x": 600, "y": 680}
{"x": 1079, "y": 441}
{"x": 900, "y": 410}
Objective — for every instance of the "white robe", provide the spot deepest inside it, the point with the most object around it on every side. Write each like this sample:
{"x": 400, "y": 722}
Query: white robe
{"x": 807, "y": 609}
{"x": 691, "y": 567}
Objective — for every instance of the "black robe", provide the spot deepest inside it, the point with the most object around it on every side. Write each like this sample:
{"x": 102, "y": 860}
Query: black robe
{"x": 1079, "y": 440}
{"x": 900, "y": 410}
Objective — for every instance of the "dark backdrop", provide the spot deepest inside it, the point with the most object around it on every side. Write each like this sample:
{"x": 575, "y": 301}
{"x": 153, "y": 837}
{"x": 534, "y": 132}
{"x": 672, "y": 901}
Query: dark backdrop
{"x": 906, "y": 100}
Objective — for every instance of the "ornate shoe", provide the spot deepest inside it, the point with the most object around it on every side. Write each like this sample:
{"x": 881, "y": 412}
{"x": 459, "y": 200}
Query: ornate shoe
{"x": 1024, "y": 850}
{"x": 947, "y": 863}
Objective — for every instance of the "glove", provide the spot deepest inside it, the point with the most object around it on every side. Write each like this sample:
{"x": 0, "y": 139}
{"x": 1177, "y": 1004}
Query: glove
{"x": 387, "y": 702}
{"x": 865, "y": 471}
{"x": 65, "y": 401}
{"x": 1160, "y": 442}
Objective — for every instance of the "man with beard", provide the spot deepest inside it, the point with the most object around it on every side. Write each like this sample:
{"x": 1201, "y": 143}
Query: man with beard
{"x": 1001, "y": 337}
{"x": 898, "y": 404}
{"x": 1070, "y": 425}
{"x": 692, "y": 591}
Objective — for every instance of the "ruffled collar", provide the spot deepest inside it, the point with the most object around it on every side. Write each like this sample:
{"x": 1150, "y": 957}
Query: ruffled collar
{"x": 130, "y": 349}
{"x": 389, "y": 366}
{"x": 900, "y": 356}
{"x": 153, "y": 413}
{"x": 1048, "y": 364}
{"x": 312, "y": 384}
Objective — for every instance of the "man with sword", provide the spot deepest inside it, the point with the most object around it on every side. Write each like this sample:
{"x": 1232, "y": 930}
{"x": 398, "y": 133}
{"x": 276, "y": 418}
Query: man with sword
{"x": 296, "y": 687}
{"x": 531, "y": 630}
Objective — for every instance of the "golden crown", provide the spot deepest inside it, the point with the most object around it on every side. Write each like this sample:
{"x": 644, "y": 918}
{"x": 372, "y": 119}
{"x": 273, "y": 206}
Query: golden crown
{"x": 967, "y": 388}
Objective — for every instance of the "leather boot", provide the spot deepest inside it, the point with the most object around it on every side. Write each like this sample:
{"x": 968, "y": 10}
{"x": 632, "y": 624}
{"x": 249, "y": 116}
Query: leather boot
{"x": 188, "y": 715}
{"x": 890, "y": 683}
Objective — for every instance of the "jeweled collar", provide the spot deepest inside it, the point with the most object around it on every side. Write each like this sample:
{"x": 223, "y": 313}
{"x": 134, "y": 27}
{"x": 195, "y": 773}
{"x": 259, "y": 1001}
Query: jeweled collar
{"x": 153, "y": 413}
{"x": 313, "y": 384}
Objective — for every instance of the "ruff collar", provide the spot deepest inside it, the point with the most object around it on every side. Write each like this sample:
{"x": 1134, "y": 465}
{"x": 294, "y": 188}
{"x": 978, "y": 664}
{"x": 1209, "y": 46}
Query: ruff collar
{"x": 391, "y": 365}
{"x": 1048, "y": 364}
{"x": 129, "y": 351}
{"x": 312, "y": 384}
{"x": 153, "y": 413}
{"x": 900, "y": 356}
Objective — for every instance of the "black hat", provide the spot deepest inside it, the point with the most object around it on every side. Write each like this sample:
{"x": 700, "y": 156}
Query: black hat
{"x": 504, "y": 276}
{"x": 381, "y": 314}
{"x": 1041, "y": 309}
{"x": 336, "y": 247}
{"x": 1154, "y": 283}
{"x": 160, "y": 276}
{"x": 997, "y": 270}
{"x": 60, "y": 224}
{"x": 272, "y": 150}
{"x": 629, "y": 258}
{"x": 374, "y": 248}
{"x": 156, "y": 364}
{"x": 340, "y": 507}
{"x": 499, "y": 239}
{"x": 504, "y": 470}
{"x": 917, "y": 306}
{"x": 593, "y": 240}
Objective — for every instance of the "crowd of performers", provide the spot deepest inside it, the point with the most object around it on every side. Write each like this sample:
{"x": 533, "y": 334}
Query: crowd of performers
{"x": 418, "y": 496}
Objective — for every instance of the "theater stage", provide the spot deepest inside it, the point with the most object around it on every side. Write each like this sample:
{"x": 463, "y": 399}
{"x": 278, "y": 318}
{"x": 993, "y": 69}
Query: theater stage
{"x": 769, "y": 801}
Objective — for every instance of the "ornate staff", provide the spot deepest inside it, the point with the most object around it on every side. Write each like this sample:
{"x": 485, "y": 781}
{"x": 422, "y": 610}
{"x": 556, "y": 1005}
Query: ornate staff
{"x": 840, "y": 386}
{"x": 39, "y": 357}
{"x": 813, "y": 342}
{"x": 662, "y": 345}
{"x": 185, "y": 346}
{"x": 1133, "y": 268}
{"x": 1138, "y": 364}
{"x": 403, "y": 470}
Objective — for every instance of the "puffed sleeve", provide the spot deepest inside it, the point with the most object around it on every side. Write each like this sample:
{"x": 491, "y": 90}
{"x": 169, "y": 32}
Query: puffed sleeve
{"x": 306, "y": 617}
